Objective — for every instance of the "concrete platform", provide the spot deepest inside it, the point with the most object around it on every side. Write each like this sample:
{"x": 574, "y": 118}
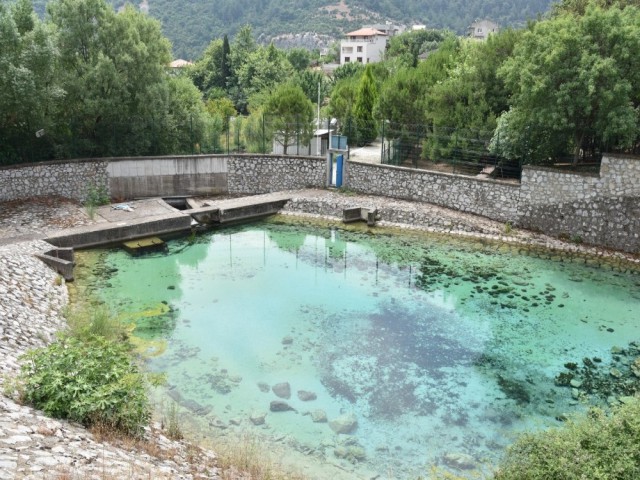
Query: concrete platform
{"x": 218, "y": 212}
{"x": 145, "y": 218}
{"x": 128, "y": 221}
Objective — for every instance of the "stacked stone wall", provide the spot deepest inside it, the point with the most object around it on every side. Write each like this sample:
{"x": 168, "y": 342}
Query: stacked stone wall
{"x": 492, "y": 199}
{"x": 71, "y": 179}
{"x": 253, "y": 174}
{"x": 601, "y": 209}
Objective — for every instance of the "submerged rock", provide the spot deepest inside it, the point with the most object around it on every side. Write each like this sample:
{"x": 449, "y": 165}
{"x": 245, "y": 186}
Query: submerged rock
{"x": 282, "y": 390}
{"x": 306, "y": 396}
{"x": 287, "y": 340}
{"x": 280, "y": 406}
{"x": 345, "y": 424}
{"x": 352, "y": 453}
{"x": 461, "y": 461}
{"x": 319, "y": 416}
{"x": 264, "y": 387}
{"x": 257, "y": 418}
{"x": 575, "y": 383}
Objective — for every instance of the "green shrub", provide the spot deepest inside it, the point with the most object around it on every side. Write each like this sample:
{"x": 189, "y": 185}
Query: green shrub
{"x": 92, "y": 381}
{"x": 594, "y": 446}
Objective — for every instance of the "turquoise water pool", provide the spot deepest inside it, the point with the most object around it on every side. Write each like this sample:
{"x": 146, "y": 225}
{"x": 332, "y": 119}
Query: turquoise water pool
{"x": 427, "y": 351}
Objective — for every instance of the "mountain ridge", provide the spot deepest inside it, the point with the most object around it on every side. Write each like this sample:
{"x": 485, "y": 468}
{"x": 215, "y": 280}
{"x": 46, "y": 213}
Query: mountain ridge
{"x": 192, "y": 24}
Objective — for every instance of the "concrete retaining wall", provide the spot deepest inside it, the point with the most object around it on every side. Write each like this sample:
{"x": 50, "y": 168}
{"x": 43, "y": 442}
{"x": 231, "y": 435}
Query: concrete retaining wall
{"x": 167, "y": 176}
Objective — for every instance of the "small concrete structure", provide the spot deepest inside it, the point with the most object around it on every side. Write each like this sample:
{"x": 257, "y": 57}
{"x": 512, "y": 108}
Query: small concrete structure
{"x": 144, "y": 245}
{"x": 62, "y": 260}
{"x": 356, "y": 214}
{"x": 239, "y": 209}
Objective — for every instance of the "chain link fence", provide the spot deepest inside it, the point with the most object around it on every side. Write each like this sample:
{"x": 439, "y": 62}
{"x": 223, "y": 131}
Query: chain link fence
{"x": 462, "y": 151}
{"x": 471, "y": 152}
{"x": 479, "y": 152}
{"x": 150, "y": 137}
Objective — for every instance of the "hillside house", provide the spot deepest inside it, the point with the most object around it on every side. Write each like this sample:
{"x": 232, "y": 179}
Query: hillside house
{"x": 364, "y": 46}
{"x": 481, "y": 29}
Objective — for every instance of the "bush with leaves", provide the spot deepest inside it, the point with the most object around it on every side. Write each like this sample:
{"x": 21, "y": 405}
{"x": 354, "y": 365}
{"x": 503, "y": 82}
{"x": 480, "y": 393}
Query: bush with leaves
{"x": 92, "y": 382}
{"x": 595, "y": 446}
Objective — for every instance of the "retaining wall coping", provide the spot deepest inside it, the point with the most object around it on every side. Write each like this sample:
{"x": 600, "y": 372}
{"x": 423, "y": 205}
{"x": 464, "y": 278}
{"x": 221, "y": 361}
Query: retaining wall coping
{"x": 577, "y": 173}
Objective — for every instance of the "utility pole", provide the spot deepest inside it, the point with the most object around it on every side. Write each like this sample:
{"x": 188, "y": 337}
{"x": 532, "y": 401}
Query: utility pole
{"x": 318, "y": 124}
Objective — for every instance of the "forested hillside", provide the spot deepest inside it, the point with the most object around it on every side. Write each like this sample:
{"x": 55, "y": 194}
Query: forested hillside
{"x": 192, "y": 24}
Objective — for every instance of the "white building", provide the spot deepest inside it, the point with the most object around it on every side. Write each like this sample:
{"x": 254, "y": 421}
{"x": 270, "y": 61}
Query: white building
{"x": 481, "y": 29}
{"x": 316, "y": 147}
{"x": 364, "y": 46}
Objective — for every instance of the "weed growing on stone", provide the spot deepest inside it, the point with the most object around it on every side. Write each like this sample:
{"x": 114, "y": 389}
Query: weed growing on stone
{"x": 89, "y": 375}
{"x": 247, "y": 456}
{"x": 508, "y": 228}
{"x": 592, "y": 445}
{"x": 90, "y": 381}
{"x": 172, "y": 423}
{"x": 95, "y": 197}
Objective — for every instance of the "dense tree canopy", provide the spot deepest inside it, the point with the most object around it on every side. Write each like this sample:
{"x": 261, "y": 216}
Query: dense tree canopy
{"x": 575, "y": 81}
{"x": 29, "y": 92}
{"x": 88, "y": 81}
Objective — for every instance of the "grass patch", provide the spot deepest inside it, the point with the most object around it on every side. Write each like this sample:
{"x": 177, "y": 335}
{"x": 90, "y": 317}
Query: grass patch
{"x": 247, "y": 457}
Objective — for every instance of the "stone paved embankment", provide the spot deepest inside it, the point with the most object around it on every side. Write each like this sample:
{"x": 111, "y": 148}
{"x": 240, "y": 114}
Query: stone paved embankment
{"x": 32, "y": 298}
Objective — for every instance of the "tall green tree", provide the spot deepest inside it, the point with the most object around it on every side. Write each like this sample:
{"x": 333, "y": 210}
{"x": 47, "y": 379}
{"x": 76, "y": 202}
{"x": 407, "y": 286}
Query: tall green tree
{"x": 263, "y": 69}
{"x": 290, "y": 116}
{"x": 363, "y": 109}
{"x": 341, "y": 104}
{"x": 226, "y": 61}
{"x": 30, "y": 90}
{"x": 207, "y": 73}
{"x": 113, "y": 71}
{"x": 575, "y": 82}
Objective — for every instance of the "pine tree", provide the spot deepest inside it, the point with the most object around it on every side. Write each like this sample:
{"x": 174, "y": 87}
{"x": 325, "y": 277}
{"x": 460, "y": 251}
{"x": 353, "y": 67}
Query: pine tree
{"x": 366, "y": 97}
{"x": 226, "y": 61}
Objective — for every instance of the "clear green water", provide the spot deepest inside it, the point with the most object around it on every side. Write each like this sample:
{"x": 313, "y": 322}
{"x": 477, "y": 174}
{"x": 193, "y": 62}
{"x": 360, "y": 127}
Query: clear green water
{"x": 439, "y": 346}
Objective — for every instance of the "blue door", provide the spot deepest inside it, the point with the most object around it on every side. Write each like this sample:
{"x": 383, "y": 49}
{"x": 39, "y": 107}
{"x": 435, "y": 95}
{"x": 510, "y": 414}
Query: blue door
{"x": 339, "y": 162}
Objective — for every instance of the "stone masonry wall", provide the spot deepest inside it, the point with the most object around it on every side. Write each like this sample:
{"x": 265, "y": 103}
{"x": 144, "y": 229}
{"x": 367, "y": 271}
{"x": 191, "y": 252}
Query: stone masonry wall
{"x": 264, "y": 174}
{"x": 70, "y": 179}
{"x": 489, "y": 198}
{"x": 600, "y": 209}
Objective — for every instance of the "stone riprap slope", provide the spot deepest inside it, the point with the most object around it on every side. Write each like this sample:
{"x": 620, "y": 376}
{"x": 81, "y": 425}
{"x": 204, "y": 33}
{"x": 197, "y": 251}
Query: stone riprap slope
{"x": 33, "y": 446}
{"x": 32, "y": 301}
{"x": 34, "y": 218}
